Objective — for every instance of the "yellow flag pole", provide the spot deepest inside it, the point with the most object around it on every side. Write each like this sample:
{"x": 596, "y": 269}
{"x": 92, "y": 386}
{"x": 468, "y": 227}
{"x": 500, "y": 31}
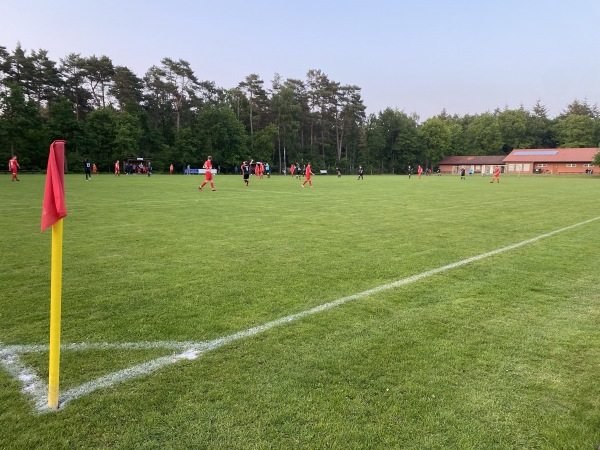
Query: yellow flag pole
{"x": 55, "y": 304}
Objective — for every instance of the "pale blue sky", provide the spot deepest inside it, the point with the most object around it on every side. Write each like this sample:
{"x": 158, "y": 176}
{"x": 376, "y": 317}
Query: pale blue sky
{"x": 467, "y": 56}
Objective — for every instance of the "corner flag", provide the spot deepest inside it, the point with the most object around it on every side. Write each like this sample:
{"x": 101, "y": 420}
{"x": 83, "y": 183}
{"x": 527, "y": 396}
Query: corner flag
{"x": 53, "y": 211}
{"x": 54, "y": 207}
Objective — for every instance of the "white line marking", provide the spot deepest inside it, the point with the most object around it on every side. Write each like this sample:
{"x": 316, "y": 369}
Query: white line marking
{"x": 37, "y": 390}
{"x": 31, "y": 385}
{"x": 173, "y": 345}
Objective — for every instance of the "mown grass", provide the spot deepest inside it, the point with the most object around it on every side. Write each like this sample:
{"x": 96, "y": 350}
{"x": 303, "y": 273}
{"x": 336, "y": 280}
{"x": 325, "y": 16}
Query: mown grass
{"x": 500, "y": 353}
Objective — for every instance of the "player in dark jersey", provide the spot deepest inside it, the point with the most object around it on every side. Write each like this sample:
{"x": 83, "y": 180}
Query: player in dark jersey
{"x": 87, "y": 165}
{"x": 246, "y": 172}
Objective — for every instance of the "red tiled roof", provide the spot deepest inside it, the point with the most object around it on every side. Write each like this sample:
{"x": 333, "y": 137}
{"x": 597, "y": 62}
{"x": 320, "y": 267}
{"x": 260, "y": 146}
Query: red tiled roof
{"x": 585, "y": 155}
{"x": 469, "y": 160}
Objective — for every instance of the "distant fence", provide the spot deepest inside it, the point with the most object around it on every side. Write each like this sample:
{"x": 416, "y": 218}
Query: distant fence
{"x": 197, "y": 171}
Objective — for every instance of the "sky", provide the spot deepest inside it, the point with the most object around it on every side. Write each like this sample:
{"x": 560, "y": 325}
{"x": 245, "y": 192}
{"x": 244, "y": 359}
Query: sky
{"x": 418, "y": 56}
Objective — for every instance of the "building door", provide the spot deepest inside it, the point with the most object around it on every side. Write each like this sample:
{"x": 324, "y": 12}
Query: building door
{"x": 555, "y": 171}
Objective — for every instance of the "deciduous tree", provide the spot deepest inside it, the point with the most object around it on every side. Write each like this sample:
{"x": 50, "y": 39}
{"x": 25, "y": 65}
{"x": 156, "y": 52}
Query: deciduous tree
{"x": 483, "y": 136}
{"x": 576, "y": 130}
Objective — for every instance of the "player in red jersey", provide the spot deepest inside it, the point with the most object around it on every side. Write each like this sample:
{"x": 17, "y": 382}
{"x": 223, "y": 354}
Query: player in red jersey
{"x": 308, "y": 174}
{"x": 13, "y": 165}
{"x": 420, "y": 171}
{"x": 171, "y": 169}
{"x": 496, "y": 174}
{"x": 117, "y": 168}
{"x": 208, "y": 174}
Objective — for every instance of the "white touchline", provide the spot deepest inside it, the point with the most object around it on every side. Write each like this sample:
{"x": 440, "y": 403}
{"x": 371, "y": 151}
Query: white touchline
{"x": 37, "y": 390}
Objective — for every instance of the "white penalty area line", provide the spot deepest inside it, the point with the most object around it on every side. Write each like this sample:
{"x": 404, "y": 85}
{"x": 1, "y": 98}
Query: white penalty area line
{"x": 37, "y": 390}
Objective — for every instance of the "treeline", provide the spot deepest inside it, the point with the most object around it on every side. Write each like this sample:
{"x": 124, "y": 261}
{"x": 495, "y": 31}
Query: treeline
{"x": 106, "y": 112}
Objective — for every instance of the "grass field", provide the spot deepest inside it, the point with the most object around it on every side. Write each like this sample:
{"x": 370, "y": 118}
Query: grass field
{"x": 496, "y": 353}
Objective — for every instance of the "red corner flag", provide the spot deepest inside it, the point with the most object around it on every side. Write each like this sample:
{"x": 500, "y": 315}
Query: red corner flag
{"x": 54, "y": 207}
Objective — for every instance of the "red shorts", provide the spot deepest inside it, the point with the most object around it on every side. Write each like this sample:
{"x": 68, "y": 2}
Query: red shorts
{"x": 208, "y": 175}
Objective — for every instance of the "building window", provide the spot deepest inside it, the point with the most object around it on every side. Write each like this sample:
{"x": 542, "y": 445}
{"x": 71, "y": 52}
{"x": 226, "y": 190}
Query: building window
{"x": 571, "y": 165}
{"x": 511, "y": 167}
{"x": 588, "y": 165}
{"x": 542, "y": 165}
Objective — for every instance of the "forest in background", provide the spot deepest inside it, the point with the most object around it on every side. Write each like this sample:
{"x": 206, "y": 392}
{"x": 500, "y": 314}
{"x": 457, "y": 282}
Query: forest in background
{"x": 108, "y": 113}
